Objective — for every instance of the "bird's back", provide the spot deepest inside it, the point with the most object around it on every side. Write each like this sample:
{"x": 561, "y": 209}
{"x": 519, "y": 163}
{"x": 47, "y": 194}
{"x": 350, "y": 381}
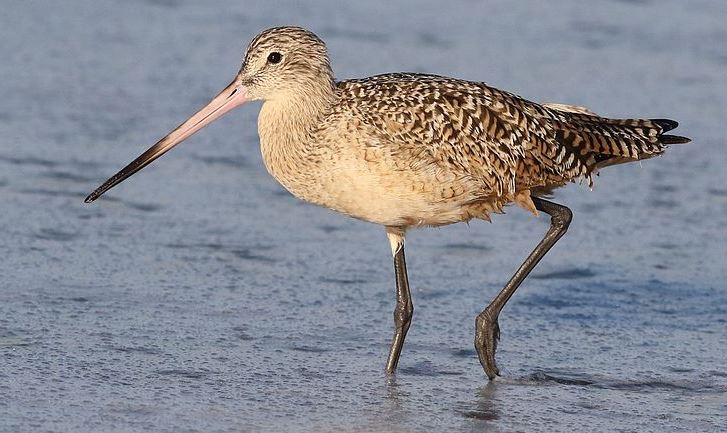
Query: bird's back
{"x": 503, "y": 146}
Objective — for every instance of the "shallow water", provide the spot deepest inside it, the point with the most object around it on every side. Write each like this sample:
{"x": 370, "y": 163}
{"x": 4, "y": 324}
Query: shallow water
{"x": 200, "y": 296}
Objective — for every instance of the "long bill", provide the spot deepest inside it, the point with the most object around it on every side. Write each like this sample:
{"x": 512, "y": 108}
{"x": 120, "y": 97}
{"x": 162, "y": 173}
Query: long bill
{"x": 229, "y": 98}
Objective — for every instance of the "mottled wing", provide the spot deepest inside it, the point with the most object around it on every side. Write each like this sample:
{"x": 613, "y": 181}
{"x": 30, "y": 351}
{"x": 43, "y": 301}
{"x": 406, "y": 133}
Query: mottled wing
{"x": 444, "y": 124}
{"x": 501, "y": 140}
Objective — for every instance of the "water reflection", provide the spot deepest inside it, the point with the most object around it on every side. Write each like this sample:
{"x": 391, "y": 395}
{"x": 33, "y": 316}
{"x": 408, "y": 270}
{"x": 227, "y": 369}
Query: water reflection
{"x": 396, "y": 397}
{"x": 483, "y": 407}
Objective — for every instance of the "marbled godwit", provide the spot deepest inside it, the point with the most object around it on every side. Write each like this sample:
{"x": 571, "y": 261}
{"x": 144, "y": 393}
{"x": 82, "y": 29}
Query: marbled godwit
{"x": 411, "y": 150}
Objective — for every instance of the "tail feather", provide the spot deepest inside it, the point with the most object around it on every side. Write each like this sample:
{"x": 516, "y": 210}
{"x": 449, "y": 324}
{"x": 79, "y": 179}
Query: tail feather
{"x": 638, "y": 139}
{"x": 597, "y": 142}
{"x": 666, "y": 124}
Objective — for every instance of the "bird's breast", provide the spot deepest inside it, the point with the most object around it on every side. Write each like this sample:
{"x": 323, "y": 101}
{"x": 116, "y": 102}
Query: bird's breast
{"x": 344, "y": 169}
{"x": 355, "y": 183}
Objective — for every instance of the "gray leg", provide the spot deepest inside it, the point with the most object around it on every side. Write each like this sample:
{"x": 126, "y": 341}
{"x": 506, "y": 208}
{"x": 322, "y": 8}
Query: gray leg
{"x": 403, "y": 311}
{"x": 487, "y": 331}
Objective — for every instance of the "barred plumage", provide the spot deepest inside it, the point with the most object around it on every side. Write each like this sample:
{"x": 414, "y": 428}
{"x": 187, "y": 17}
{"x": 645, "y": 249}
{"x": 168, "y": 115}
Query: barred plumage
{"x": 568, "y": 143}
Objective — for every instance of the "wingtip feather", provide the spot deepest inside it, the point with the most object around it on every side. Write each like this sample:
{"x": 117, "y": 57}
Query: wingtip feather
{"x": 674, "y": 139}
{"x": 666, "y": 124}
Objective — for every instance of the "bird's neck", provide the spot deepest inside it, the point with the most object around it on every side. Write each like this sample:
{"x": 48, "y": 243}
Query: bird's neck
{"x": 285, "y": 125}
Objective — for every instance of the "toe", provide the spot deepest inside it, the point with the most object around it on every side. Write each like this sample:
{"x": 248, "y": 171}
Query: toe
{"x": 486, "y": 335}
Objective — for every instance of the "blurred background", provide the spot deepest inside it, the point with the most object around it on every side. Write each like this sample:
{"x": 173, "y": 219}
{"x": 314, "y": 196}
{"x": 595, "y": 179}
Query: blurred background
{"x": 201, "y": 296}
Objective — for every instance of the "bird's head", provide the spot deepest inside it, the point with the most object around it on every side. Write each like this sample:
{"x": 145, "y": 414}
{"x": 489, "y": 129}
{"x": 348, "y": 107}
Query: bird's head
{"x": 285, "y": 62}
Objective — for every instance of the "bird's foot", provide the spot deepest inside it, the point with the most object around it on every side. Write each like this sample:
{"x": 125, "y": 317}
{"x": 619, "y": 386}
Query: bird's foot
{"x": 487, "y": 333}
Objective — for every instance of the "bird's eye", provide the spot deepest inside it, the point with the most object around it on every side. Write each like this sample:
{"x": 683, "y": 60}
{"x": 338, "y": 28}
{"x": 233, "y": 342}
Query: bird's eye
{"x": 275, "y": 57}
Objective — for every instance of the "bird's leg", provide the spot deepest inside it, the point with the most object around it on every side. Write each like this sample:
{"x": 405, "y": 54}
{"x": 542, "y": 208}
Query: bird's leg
{"x": 404, "y": 308}
{"x": 487, "y": 331}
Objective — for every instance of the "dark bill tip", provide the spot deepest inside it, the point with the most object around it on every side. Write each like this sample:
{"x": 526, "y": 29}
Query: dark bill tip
{"x": 142, "y": 161}
{"x": 116, "y": 179}
{"x": 93, "y": 196}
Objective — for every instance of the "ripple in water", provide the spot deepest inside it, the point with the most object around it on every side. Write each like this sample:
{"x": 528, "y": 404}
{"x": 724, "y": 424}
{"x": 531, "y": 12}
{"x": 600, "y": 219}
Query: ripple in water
{"x": 646, "y": 385}
{"x": 565, "y": 274}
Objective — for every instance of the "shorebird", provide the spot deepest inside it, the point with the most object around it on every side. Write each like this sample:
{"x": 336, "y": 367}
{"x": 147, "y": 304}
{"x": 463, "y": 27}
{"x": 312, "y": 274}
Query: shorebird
{"x": 407, "y": 150}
